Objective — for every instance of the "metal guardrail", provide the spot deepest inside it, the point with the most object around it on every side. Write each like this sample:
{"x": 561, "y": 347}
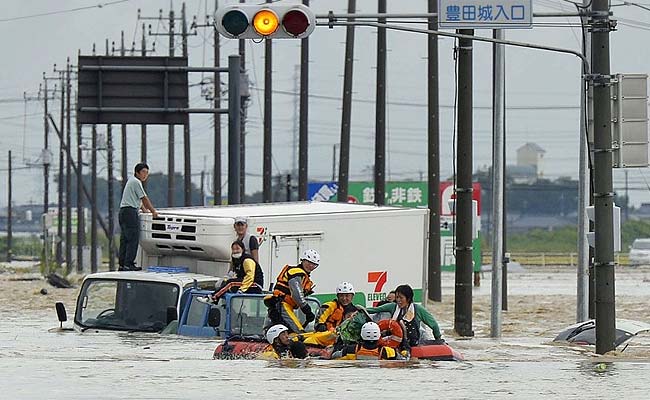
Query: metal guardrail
{"x": 544, "y": 259}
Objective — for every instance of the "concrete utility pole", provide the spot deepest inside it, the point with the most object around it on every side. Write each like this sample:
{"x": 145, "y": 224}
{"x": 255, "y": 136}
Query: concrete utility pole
{"x": 434, "y": 286}
{"x": 9, "y": 211}
{"x": 59, "y": 224}
{"x": 380, "y": 111}
{"x": 603, "y": 188}
{"x": 463, "y": 292}
{"x": 68, "y": 170}
{"x": 93, "y": 205}
{"x": 81, "y": 217}
{"x": 216, "y": 176}
{"x": 111, "y": 211}
{"x": 124, "y": 162}
{"x": 170, "y": 134}
{"x": 234, "y": 130}
{"x": 242, "y": 124}
{"x": 267, "y": 166}
{"x": 143, "y": 127}
{"x": 187, "y": 170}
{"x": 303, "y": 150}
{"x": 346, "y": 114}
{"x": 45, "y": 154}
{"x": 498, "y": 133}
{"x": 582, "y": 270}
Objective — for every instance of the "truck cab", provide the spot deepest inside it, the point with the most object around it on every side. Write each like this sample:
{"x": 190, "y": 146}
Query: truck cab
{"x": 236, "y": 314}
{"x": 136, "y": 301}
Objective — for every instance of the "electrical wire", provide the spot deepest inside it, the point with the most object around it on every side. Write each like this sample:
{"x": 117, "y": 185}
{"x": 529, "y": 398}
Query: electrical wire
{"x": 100, "y": 5}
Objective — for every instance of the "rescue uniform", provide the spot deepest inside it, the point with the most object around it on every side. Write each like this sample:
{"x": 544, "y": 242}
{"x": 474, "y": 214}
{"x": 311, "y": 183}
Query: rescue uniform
{"x": 292, "y": 286}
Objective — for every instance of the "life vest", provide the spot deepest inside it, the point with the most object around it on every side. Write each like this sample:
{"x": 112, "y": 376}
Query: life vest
{"x": 239, "y": 270}
{"x": 281, "y": 288}
{"x": 394, "y": 339}
{"x": 378, "y": 353}
{"x": 367, "y": 354}
{"x": 332, "y": 318}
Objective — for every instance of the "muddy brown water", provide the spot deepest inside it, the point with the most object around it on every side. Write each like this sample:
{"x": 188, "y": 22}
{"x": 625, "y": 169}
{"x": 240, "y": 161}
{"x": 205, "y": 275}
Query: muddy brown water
{"x": 37, "y": 361}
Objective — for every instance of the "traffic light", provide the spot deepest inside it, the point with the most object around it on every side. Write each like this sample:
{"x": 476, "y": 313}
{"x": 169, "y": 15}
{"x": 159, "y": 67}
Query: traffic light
{"x": 266, "y": 21}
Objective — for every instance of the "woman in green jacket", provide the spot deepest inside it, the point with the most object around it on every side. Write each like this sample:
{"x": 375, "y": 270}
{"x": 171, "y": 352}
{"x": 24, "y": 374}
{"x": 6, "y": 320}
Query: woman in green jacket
{"x": 409, "y": 315}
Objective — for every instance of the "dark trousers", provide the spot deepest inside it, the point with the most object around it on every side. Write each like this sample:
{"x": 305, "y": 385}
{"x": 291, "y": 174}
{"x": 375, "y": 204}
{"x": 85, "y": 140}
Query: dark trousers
{"x": 130, "y": 236}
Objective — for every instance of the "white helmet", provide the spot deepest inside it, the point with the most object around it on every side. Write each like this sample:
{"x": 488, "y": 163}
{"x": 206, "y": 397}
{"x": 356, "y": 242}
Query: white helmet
{"x": 370, "y": 331}
{"x": 345, "y": 287}
{"x": 274, "y": 332}
{"x": 311, "y": 255}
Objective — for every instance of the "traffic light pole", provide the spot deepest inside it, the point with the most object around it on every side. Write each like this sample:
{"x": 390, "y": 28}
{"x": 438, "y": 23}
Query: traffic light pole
{"x": 346, "y": 114}
{"x": 234, "y": 107}
{"x": 303, "y": 140}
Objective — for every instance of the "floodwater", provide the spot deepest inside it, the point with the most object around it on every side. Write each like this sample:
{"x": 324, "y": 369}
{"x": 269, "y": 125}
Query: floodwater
{"x": 37, "y": 361}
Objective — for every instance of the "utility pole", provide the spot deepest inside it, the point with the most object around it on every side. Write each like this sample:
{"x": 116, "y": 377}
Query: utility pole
{"x": 216, "y": 185}
{"x": 45, "y": 154}
{"x": 59, "y": 224}
{"x": 68, "y": 171}
{"x": 124, "y": 162}
{"x": 334, "y": 162}
{"x": 380, "y": 111}
{"x": 267, "y": 166}
{"x": 143, "y": 127}
{"x": 242, "y": 124}
{"x": 9, "y": 211}
{"x": 93, "y": 205}
{"x": 170, "y": 134}
{"x": 603, "y": 188}
{"x": 187, "y": 170}
{"x": 434, "y": 284}
{"x": 81, "y": 226}
{"x": 582, "y": 270}
{"x": 234, "y": 132}
{"x": 303, "y": 151}
{"x": 498, "y": 117}
{"x": 346, "y": 114}
{"x": 463, "y": 292}
{"x": 111, "y": 211}
{"x": 296, "y": 116}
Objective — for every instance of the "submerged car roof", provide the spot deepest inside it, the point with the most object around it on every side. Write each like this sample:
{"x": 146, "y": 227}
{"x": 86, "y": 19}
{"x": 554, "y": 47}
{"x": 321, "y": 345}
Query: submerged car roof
{"x": 180, "y": 278}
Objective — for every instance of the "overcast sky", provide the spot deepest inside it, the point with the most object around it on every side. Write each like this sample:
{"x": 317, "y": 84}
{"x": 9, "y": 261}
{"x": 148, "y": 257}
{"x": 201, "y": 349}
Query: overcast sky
{"x": 31, "y": 46}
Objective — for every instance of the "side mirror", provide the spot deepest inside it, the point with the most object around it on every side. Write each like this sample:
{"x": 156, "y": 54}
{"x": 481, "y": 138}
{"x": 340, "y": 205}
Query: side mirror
{"x": 214, "y": 317}
{"x": 172, "y": 315}
{"x": 61, "y": 313}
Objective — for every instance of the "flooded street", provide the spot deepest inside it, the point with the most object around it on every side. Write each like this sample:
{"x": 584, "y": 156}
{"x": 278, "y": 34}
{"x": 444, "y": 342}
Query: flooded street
{"x": 37, "y": 362}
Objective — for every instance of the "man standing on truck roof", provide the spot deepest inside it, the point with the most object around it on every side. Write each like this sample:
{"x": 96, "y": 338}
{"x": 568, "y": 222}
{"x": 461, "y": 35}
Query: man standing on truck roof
{"x": 134, "y": 198}
{"x": 250, "y": 241}
{"x": 292, "y": 287}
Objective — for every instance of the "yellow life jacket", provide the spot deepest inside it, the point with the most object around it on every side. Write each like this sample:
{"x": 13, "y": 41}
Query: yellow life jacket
{"x": 281, "y": 288}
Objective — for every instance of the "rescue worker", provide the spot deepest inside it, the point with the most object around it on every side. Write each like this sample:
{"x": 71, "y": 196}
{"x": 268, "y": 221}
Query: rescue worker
{"x": 332, "y": 313}
{"x": 292, "y": 287}
{"x": 368, "y": 348}
{"x": 281, "y": 346}
{"x": 409, "y": 315}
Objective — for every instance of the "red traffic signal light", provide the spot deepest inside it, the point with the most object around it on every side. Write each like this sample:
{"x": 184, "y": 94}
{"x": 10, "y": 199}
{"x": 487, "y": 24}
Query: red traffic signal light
{"x": 265, "y": 21}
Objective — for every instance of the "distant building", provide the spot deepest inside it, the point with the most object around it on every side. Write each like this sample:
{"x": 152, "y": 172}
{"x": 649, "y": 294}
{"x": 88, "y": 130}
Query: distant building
{"x": 531, "y": 155}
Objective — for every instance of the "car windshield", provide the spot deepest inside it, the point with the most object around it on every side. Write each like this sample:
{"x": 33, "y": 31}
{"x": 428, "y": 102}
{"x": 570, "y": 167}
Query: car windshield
{"x": 125, "y": 304}
{"x": 641, "y": 244}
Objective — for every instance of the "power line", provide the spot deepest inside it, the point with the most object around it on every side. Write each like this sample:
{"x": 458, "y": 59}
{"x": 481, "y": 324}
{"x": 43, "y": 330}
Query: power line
{"x": 100, "y": 5}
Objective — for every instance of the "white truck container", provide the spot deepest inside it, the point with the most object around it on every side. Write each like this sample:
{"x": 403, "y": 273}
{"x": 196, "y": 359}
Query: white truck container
{"x": 374, "y": 248}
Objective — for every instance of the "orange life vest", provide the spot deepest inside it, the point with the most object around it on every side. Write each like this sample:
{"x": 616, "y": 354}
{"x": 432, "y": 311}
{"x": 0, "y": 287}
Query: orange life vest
{"x": 281, "y": 288}
{"x": 394, "y": 339}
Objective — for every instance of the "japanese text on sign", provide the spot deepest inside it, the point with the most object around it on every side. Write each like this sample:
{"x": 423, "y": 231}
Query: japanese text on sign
{"x": 489, "y": 14}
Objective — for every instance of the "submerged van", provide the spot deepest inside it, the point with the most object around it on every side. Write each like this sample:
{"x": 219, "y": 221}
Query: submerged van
{"x": 640, "y": 252}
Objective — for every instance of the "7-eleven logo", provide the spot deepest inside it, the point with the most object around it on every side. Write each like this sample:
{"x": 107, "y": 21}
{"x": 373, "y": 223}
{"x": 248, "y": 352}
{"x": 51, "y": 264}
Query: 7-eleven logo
{"x": 379, "y": 278}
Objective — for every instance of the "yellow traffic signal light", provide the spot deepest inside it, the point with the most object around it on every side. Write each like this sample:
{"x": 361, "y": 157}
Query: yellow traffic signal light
{"x": 265, "y": 22}
{"x": 241, "y": 21}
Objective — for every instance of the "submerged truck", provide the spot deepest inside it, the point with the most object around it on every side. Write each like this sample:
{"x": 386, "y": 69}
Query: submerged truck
{"x": 374, "y": 248}
{"x": 187, "y": 249}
